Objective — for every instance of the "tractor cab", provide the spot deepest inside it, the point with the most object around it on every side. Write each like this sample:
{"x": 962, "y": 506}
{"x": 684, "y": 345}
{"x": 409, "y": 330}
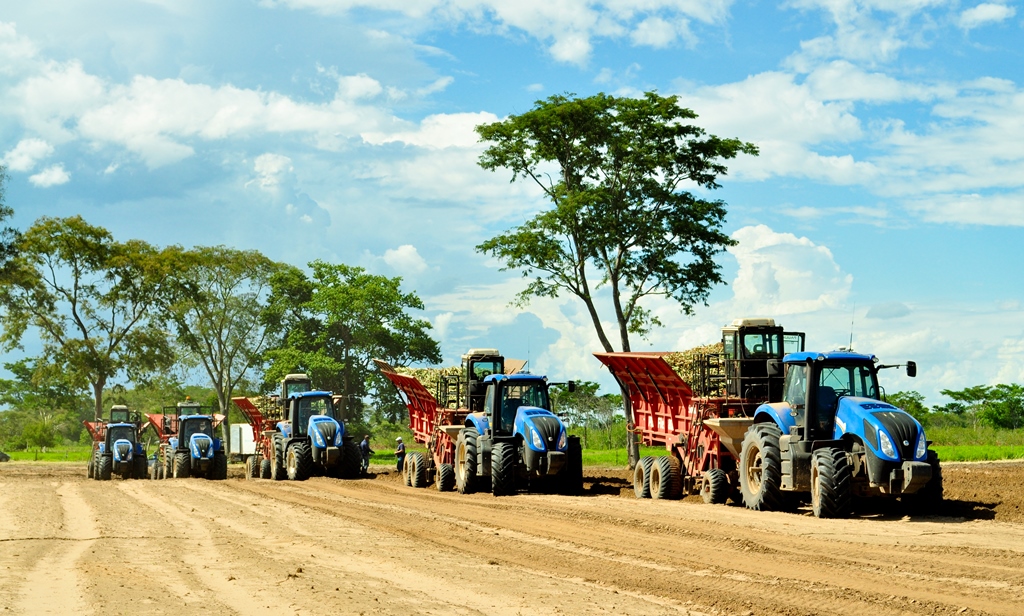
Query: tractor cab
{"x": 308, "y": 407}
{"x": 120, "y": 432}
{"x": 191, "y": 425}
{"x": 504, "y": 397}
{"x": 747, "y": 347}
{"x": 119, "y": 413}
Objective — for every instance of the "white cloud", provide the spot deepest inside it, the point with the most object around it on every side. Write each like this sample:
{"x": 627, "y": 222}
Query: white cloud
{"x": 438, "y": 131}
{"x": 985, "y": 14}
{"x": 270, "y": 168}
{"x": 25, "y": 155}
{"x": 356, "y": 87}
{"x": 54, "y": 175}
{"x": 405, "y": 259}
{"x": 973, "y": 209}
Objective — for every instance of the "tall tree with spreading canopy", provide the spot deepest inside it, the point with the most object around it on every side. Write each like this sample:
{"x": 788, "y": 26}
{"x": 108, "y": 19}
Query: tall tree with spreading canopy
{"x": 620, "y": 174}
{"x": 340, "y": 318}
{"x": 91, "y": 299}
{"x": 217, "y": 309}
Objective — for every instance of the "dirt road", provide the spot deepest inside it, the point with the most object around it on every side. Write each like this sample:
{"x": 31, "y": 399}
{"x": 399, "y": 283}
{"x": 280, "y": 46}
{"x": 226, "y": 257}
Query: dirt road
{"x": 74, "y": 546}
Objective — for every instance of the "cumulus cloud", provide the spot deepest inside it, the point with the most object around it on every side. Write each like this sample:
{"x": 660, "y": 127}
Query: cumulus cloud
{"x": 54, "y": 175}
{"x": 25, "y": 155}
{"x": 985, "y": 14}
{"x": 405, "y": 259}
{"x": 437, "y": 131}
{"x": 270, "y": 168}
{"x": 999, "y": 210}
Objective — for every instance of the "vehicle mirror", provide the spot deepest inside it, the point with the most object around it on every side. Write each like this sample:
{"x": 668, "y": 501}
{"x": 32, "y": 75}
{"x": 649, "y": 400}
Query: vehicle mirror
{"x": 774, "y": 367}
{"x": 571, "y": 386}
{"x": 911, "y": 368}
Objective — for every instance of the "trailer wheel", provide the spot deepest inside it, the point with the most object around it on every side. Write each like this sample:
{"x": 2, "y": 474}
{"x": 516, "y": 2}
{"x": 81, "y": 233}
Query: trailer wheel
{"x": 445, "y": 478}
{"x": 182, "y": 465}
{"x": 665, "y": 482}
{"x": 928, "y": 499}
{"x": 715, "y": 490}
{"x": 252, "y": 469}
{"x": 642, "y": 477}
{"x": 761, "y": 468}
{"x": 465, "y": 460}
{"x": 416, "y": 470}
{"x": 831, "y": 482}
{"x": 503, "y": 469}
{"x": 351, "y": 460}
{"x": 299, "y": 461}
{"x": 141, "y": 467}
{"x": 265, "y": 469}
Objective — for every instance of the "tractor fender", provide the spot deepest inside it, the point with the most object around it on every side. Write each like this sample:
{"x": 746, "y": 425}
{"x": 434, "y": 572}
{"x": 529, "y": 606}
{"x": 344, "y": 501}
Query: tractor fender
{"x": 478, "y": 421}
{"x": 778, "y": 413}
{"x": 285, "y": 428}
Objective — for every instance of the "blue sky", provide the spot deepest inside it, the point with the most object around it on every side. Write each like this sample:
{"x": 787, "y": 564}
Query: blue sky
{"x": 889, "y": 191}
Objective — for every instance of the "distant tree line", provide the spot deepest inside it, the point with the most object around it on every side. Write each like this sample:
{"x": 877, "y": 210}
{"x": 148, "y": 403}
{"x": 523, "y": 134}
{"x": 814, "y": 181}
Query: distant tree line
{"x": 992, "y": 406}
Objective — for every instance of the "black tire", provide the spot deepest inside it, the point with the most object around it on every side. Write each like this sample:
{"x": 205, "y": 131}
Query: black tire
{"x": 182, "y": 465}
{"x": 104, "y": 467}
{"x": 642, "y": 477}
{"x": 761, "y": 468}
{"x": 220, "y": 466}
{"x": 927, "y": 500}
{"x": 252, "y": 468}
{"x": 665, "y": 482}
{"x": 90, "y": 468}
{"x": 503, "y": 469}
{"x": 716, "y": 488}
{"x": 572, "y": 474}
{"x": 277, "y": 469}
{"x": 299, "y": 461}
{"x": 141, "y": 467}
{"x": 831, "y": 483}
{"x": 351, "y": 460}
{"x": 465, "y": 461}
{"x": 417, "y": 469}
{"x": 265, "y": 469}
{"x": 445, "y": 478}
{"x": 168, "y": 468}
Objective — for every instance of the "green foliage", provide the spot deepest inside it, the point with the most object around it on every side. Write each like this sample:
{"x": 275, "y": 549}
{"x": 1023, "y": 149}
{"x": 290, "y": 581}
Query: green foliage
{"x": 911, "y": 402}
{"x": 621, "y": 203}
{"x": 999, "y": 406}
{"x": 335, "y": 322}
{"x": 40, "y": 393}
{"x": 593, "y": 417}
{"x": 9, "y": 237}
{"x": 40, "y": 435}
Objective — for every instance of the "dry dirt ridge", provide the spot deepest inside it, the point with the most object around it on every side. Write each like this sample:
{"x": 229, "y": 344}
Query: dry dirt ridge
{"x": 74, "y": 546}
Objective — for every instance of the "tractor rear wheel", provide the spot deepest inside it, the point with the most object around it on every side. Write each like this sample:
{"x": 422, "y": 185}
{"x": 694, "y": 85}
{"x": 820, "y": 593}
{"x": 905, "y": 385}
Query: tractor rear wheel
{"x": 351, "y": 460}
{"x": 503, "y": 469}
{"x": 104, "y": 468}
{"x": 220, "y": 466}
{"x": 445, "y": 478}
{"x": 642, "y": 477}
{"x": 417, "y": 470}
{"x": 928, "y": 499}
{"x": 265, "y": 470}
{"x": 141, "y": 467}
{"x": 831, "y": 483}
{"x": 716, "y": 488}
{"x": 182, "y": 465}
{"x": 465, "y": 461}
{"x": 761, "y": 468}
{"x": 665, "y": 481}
{"x": 299, "y": 461}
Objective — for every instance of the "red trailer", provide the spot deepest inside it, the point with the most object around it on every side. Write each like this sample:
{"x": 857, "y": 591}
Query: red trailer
{"x": 258, "y": 466}
{"x": 703, "y": 429}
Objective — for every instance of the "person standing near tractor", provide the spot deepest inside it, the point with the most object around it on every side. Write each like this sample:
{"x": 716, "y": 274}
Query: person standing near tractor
{"x": 366, "y": 452}
{"x": 399, "y": 454}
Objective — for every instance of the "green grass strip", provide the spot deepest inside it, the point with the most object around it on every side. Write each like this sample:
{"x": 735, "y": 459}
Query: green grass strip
{"x": 975, "y": 453}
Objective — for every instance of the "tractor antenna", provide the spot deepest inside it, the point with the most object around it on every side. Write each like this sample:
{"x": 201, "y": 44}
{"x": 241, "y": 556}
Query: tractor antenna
{"x": 852, "y": 315}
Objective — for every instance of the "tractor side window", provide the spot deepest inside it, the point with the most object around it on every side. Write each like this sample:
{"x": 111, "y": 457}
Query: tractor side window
{"x": 761, "y": 346}
{"x": 483, "y": 369}
{"x": 489, "y": 401}
{"x": 795, "y": 389}
{"x": 793, "y": 343}
{"x": 729, "y": 344}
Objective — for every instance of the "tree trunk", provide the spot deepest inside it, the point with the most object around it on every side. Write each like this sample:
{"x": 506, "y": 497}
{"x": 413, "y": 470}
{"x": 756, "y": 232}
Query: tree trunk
{"x": 97, "y": 392}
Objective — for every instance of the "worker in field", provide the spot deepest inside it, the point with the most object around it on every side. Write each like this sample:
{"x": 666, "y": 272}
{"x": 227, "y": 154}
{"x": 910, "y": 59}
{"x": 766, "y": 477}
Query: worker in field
{"x": 364, "y": 449}
{"x": 399, "y": 454}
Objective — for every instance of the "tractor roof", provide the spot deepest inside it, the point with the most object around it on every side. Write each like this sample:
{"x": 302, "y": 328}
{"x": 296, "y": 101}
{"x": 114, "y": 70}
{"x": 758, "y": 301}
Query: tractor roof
{"x": 311, "y": 394}
{"x": 514, "y": 377}
{"x": 850, "y": 356}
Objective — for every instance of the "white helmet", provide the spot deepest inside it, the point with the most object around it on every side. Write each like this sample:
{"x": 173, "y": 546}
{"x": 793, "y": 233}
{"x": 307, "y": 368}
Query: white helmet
{"x": 398, "y": 439}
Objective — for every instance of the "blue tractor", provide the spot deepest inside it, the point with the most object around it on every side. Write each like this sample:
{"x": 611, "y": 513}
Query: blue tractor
{"x": 189, "y": 446}
{"x": 117, "y": 449}
{"x": 833, "y": 436}
{"x": 311, "y": 440}
{"x": 516, "y": 441}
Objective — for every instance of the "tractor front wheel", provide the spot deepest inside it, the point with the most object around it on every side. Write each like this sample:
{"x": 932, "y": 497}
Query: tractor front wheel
{"x": 182, "y": 465}
{"x": 761, "y": 468}
{"x": 299, "y": 461}
{"x": 104, "y": 468}
{"x": 351, "y": 460}
{"x": 277, "y": 469}
{"x": 572, "y": 474}
{"x": 141, "y": 467}
{"x": 465, "y": 460}
{"x": 503, "y": 469}
{"x": 90, "y": 469}
{"x": 928, "y": 499}
{"x": 220, "y": 466}
{"x": 831, "y": 483}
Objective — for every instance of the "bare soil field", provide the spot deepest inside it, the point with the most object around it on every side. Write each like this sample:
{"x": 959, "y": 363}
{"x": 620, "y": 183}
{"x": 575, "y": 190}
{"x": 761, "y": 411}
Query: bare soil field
{"x": 69, "y": 545}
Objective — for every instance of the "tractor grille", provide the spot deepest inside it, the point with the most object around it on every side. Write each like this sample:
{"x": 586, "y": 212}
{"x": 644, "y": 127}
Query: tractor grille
{"x": 123, "y": 449}
{"x": 328, "y": 430}
{"x": 549, "y": 428}
{"x": 902, "y": 428}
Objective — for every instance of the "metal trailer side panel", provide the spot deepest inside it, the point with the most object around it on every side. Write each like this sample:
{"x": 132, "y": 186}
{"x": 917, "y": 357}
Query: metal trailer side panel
{"x": 242, "y": 442}
{"x": 423, "y": 409}
{"x": 659, "y": 399}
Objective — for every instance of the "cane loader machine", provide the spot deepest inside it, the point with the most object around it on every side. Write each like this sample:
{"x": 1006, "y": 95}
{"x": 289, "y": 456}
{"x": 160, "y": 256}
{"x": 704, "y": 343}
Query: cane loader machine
{"x": 490, "y": 427}
{"x": 116, "y": 447}
{"x": 833, "y": 437}
{"x": 189, "y": 446}
{"x": 700, "y": 420}
{"x": 298, "y": 434}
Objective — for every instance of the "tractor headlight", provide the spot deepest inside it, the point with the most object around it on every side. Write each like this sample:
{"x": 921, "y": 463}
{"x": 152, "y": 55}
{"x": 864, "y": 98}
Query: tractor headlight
{"x": 922, "y": 447}
{"x": 885, "y": 443}
{"x": 538, "y": 441}
{"x": 562, "y": 440}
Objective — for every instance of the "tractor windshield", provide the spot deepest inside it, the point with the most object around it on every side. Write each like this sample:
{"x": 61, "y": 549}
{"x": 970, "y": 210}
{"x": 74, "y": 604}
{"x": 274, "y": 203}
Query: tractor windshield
{"x": 484, "y": 369}
{"x": 309, "y": 407}
{"x": 298, "y": 387}
{"x": 762, "y": 345}
{"x": 515, "y": 395}
{"x": 201, "y": 425}
{"x": 848, "y": 380}
{"x": 122, "y": 432}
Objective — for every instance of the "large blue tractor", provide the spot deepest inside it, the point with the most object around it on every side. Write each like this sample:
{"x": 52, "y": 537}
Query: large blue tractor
{"x": 189, "y": 446}
{"x": 516, "y": 441}
{"x": 116, "y": 447}
{"x": 312, "y": 441}
{"x": 833, "y": 436}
